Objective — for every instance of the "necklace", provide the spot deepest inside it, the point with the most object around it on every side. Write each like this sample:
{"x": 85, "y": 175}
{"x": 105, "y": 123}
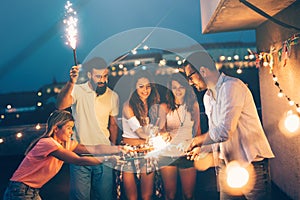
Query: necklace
{"x": 181, "y": 120}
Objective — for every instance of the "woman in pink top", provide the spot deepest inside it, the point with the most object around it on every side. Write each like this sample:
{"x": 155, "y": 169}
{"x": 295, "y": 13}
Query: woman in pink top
{"x": 45, "y": 157}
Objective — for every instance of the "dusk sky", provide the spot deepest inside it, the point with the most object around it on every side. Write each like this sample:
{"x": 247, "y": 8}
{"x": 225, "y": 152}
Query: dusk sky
{"x": 34, "y": 52}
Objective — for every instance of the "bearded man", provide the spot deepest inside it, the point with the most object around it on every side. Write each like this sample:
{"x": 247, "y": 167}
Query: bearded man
{"x": 94, "y": 107}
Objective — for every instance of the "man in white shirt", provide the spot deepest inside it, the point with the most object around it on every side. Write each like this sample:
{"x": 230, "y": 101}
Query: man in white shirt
{"x": 234, "y": 124}
{"x": 94, "y": 107}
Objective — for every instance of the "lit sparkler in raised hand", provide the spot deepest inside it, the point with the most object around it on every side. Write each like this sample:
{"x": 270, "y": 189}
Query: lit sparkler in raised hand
{"x": 71, "y": 28}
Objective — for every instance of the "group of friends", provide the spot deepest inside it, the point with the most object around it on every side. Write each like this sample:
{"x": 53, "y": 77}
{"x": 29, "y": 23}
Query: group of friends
{"x": 235, "y": 133}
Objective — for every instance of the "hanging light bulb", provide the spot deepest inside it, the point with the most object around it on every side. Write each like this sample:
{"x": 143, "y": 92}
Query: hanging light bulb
{"x": 298, "y": 109}
{"x": 292, "y": 122}
{"x": 134, "y": 51}
{"x": 222, "y": 58}
{"x": 291, "y": 102}
{"x": 251, "y": 56}
{"x": 280, "y": 94}
{"x": 38, "y": 127}
{"x": 237, "y": 176}
{"x": 19, "y": 135}
{"x": 239, "y": 71}
{"x": 145, "y": 47}
{"x": 236, "y": 57}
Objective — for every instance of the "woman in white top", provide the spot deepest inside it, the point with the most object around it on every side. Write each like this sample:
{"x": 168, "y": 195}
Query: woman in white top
{"x": 136, "y": 116}
{"x": 179, "y": 117}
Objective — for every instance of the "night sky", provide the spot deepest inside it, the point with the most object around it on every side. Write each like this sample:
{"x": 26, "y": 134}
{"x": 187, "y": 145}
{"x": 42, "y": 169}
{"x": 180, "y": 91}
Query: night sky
{"x": 34, "y": 52}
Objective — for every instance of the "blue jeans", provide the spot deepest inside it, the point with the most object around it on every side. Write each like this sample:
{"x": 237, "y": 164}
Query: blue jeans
{"x": 261, "y": 188}
{"x": 91, "y": 182}
{"x": 20, "y": 191}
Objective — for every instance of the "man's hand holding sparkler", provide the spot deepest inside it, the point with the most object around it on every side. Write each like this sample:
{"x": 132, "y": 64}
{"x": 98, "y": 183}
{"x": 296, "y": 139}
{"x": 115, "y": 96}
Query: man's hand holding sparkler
{"x": 64, "y": 98}
{"x": 193, "y": 154}
{"x": 196, "y": 146}
{"x": 74, "y": 74}
{"x": 196, "y": 142}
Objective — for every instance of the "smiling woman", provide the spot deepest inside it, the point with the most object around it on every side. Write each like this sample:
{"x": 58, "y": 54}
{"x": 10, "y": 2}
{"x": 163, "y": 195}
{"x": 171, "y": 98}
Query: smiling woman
{"x": 45, "y": 157}
{"x": 137, "y": 116}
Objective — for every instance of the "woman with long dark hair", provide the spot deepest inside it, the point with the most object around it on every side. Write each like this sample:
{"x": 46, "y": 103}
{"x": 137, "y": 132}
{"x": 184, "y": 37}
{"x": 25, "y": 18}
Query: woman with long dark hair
{"x": 179, "y": 117}
{"x": 139, "y": 111}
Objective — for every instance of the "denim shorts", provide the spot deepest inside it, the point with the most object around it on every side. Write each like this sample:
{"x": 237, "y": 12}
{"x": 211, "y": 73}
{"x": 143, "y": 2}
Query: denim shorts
{"x": 19, "y": 190}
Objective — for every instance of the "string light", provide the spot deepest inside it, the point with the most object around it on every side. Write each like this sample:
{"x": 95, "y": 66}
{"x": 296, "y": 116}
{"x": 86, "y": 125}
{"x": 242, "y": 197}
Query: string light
{"x": 239, "y": 71}
{"x": 266, "y": 59}
{"x": 19, "y": 135}
{"x": 120, "y": 64}
{"x": 281, "y": 94}
{"x": 134, "y": 51}
{"x": 292, "y": 122}
{"x": 146, "y": 47}
{"x": 222, "y": 58}
{"x": 21, "y": 132}
{"x": 38, "y": 127}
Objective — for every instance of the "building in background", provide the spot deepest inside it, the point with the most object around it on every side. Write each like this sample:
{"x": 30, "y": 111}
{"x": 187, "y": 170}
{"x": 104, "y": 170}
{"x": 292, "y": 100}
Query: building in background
{"x": 23, "y": 115}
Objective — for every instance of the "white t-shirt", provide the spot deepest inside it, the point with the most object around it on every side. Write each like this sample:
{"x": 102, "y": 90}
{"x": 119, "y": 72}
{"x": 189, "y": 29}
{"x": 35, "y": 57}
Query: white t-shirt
{"x": 91, "y": 113}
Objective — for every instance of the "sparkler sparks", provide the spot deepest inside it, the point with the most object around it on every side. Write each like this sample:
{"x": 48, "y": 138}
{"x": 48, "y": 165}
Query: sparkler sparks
{"x": 71, "y": 28}
{"x": 158, "y": 143}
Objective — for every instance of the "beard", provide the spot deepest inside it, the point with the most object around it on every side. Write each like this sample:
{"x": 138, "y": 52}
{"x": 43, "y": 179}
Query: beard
{"x": 100, "y": 90}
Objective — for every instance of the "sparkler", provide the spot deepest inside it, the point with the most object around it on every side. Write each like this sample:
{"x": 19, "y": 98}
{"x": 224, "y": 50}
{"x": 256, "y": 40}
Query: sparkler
{"x": 71, "y": 28}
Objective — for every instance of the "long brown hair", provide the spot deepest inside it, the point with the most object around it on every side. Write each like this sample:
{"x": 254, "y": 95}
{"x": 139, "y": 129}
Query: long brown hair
{"x": 189, "y": 97}
{"x": 57, "y": 118}
{"x": 153, "y": 100}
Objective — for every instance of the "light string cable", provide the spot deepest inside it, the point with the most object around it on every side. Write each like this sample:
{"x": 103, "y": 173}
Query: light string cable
{"x": 261, "y": 12}
{"x": 145, "y": 39}
{"x": 266, "y": 59}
